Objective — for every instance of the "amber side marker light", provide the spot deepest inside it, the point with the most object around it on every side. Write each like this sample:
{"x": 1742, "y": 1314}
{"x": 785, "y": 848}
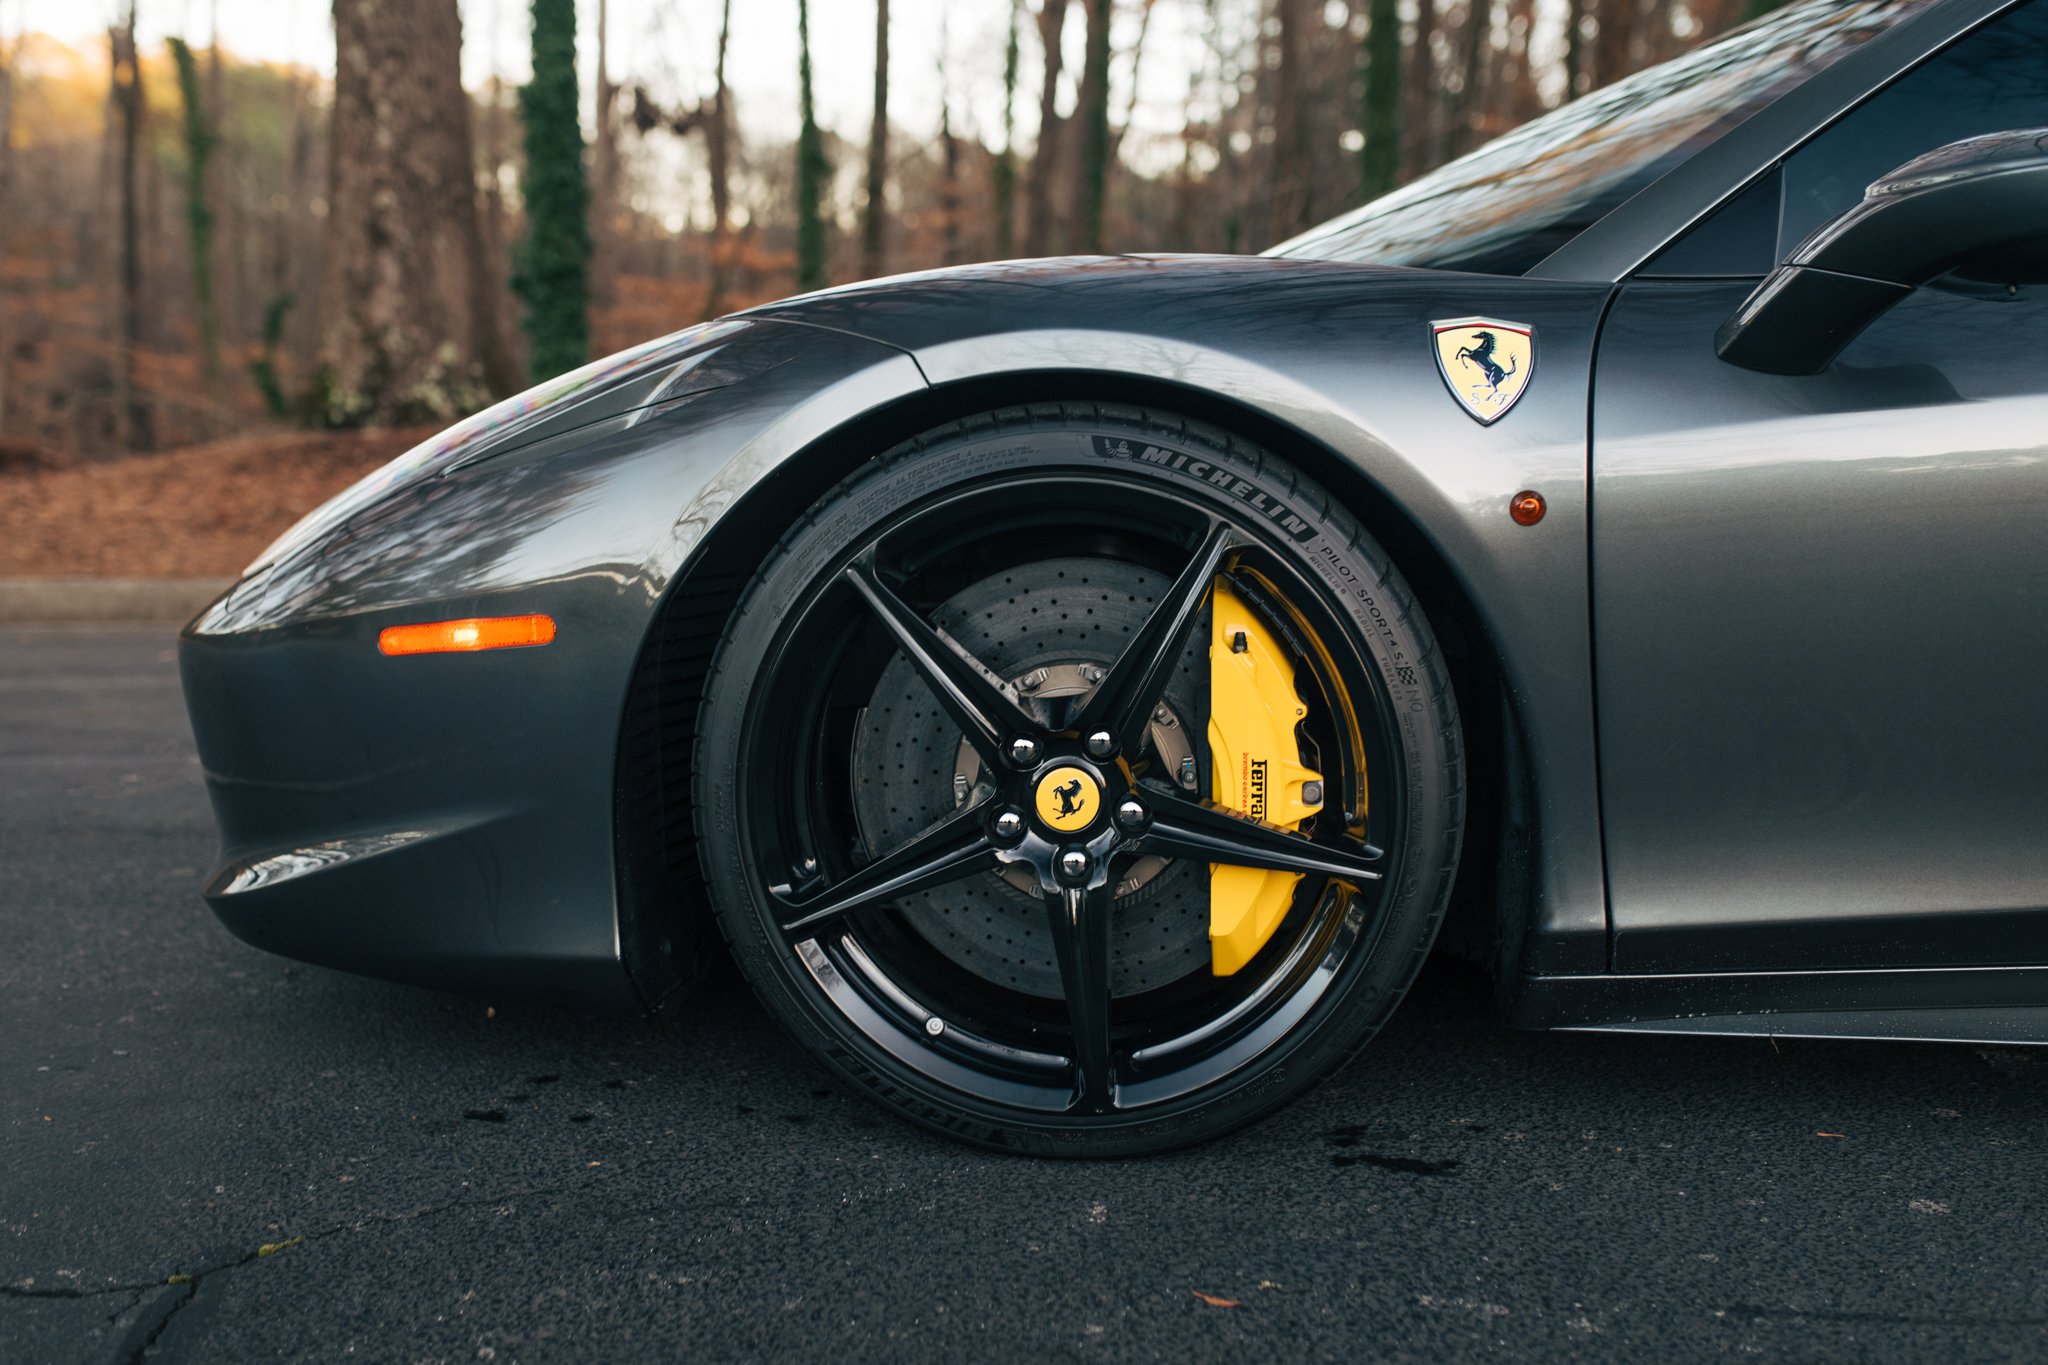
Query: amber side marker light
{"x": 463, "y": 637}
{"x": 1526, "y": 508}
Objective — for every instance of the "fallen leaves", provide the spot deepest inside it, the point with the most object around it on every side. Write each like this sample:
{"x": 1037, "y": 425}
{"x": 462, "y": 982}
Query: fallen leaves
{"x": 199, "y": 512}
{"x": 1830, "y": 1135}
{"x": 1215, "y": 1301}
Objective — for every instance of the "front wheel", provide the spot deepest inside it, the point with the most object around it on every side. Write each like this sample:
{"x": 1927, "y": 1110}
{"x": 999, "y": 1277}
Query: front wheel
{"x": 1079, "y": 780}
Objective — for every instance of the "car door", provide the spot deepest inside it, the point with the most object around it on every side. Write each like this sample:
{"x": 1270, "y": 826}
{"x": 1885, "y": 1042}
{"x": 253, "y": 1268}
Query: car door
{"x": 1821, "y": 602}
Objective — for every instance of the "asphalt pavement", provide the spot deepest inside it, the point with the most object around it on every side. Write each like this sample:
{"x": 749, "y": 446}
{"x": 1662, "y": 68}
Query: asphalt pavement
{"x": 207, "y": 1153}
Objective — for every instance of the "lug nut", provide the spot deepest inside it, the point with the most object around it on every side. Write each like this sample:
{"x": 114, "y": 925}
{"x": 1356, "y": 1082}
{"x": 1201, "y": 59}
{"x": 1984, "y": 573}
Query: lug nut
{"x": 1074, "y": 863}
{"x": 1131, "y": 815}
{"x": 1009, "y": 826}
{"x": 1102, "y": 744}
{"x": 1023, "y": 751}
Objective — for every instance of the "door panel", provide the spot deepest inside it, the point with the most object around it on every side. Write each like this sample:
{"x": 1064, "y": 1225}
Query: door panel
{"x": 1821, "y": 636}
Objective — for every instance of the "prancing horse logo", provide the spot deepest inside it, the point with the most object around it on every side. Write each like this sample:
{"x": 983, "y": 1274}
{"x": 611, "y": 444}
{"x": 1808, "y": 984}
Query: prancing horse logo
{"x": 1068, "y": 798}
{"x": 1485, "y": 363}
{"x": 1482, "y": 356}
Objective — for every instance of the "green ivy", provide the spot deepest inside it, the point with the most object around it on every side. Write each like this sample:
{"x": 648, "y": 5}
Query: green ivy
{"x": 552, "y": 270}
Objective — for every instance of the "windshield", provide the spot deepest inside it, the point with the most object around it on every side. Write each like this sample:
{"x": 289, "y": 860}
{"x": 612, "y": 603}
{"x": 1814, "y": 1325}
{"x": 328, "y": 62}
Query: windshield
{"x": 1511, "y": 203}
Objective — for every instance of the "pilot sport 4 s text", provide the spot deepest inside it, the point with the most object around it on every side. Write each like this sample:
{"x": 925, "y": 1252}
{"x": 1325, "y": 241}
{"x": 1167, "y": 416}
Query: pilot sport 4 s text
{"x": 1082, "y": 692}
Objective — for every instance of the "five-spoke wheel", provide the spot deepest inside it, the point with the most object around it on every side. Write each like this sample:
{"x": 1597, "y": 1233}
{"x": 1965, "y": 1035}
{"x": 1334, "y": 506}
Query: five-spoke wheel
{"x": 975, "y": 761}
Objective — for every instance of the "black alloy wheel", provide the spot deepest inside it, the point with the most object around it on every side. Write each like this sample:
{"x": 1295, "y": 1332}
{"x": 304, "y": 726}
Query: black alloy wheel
{"x": 958, "y": 782}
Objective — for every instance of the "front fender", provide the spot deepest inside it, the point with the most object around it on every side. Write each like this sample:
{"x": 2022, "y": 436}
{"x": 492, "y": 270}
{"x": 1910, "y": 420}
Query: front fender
{"x": 1342, "y": 356}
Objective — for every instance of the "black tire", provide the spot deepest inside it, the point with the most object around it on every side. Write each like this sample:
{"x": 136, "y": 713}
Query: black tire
{"x": 769, "y": 754}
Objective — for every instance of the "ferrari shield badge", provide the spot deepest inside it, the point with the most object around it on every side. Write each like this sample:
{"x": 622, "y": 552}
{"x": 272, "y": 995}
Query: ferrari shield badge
{"x": 1485, "y": 363}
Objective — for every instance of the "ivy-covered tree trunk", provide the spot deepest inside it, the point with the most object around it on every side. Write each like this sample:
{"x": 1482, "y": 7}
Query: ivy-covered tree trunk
{"x": 132, "y": 414}
{"x": 409, "y": 310}
{"x": 199, "y": 145}
{"x": 1094, "y": 114}
{"x": 811, "y": 166}
{"x": 1379, "y": 160}
{"x": 552, "y": 273}
{"x": 1003, "y": 170}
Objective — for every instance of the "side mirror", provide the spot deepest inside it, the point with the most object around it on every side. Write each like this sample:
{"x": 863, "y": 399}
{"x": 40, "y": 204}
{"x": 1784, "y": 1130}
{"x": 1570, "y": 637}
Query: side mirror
{"x": 1979, "y": 205}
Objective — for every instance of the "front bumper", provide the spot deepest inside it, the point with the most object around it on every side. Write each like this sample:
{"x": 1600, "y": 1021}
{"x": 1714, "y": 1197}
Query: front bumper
{"x": 442, "y": 820}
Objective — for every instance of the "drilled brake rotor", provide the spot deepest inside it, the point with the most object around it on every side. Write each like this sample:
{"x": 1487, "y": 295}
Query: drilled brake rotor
{"x": 1067, "y": 619}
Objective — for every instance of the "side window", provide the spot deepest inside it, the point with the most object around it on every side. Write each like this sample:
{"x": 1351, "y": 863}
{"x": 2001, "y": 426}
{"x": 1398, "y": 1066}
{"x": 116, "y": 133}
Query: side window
{"x": 1988, "y": 81}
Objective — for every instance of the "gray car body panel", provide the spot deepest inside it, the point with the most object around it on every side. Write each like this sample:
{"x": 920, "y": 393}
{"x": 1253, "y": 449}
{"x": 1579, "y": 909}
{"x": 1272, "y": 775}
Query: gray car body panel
{"x": 320, "y": 752}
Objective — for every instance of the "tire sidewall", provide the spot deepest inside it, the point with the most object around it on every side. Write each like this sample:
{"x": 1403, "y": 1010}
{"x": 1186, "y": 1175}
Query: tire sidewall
{"x": 1303, "y": 526}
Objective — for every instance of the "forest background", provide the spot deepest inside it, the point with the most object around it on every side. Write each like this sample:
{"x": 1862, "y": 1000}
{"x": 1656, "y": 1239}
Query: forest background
{"x": 240, "y": 225}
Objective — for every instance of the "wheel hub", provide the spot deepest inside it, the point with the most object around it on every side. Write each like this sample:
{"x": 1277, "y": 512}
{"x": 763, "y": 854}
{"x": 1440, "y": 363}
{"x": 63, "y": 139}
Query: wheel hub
{"x": 1052, "y": 629}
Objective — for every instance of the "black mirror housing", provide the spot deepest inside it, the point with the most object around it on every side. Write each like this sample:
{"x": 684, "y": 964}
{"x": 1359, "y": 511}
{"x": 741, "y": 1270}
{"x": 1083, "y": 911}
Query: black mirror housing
{"x": 1979, "y": 206}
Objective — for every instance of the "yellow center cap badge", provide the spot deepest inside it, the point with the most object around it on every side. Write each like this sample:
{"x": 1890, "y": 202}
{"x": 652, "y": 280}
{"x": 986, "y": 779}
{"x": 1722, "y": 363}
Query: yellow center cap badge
{"x": 1068, "y": 799}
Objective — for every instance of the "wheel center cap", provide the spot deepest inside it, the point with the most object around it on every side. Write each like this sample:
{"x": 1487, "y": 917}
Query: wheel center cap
{"x": 1068, "y": 799}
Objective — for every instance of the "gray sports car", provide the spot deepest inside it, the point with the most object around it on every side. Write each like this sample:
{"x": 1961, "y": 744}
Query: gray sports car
{"x": 1075, "y": 688}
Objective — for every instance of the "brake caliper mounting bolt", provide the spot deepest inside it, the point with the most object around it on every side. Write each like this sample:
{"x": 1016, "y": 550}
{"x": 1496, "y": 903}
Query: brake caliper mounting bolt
{"x": 1188, "y": 777}
{"x": 1023, "y": 751}
{"x": 1131, "y": 815}
{"x": 1009, "y": 825}
{"x": 1033, "y": 680}
{"x": 934, "y": 1026}
{"x": 1163, "y": 717}
{"x": 1074, "y": 863}
{"x": 1102, "y": 744}
{"x": 1312, "y": 793}
{"x": 1240, "y": 643}
{"x": 1091, "y": 674}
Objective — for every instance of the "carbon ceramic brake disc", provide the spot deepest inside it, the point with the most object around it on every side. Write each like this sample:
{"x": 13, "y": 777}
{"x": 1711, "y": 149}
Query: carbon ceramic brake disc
{"x": 1064, "y": 619}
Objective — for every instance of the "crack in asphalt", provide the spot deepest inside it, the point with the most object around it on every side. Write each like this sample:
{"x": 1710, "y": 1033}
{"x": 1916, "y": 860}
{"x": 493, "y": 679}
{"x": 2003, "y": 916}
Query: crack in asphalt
{"x": 148, "y": 1331}
{"x": 1884, "y": 1319}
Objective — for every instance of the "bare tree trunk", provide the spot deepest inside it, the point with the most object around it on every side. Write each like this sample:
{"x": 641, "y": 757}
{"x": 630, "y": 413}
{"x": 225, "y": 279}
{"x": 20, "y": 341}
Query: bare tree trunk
{"x": 872, "y": 220}
{"x": 604, "y": 166}
{"x": 493, "y": 222}
{"x": 1289, "y": 190}
{"x": 1614, "y": 43}
{"x": 1038, "y": 225}
{"x": 949, "y": 182}
{"x": 410, "y": 314}
{"x": 718, "y": 146}
{"x": 1419, "y": 121}
{"x": 7, "y": 54}
{"x": 1092, "y": 188}
{"x": 1116, "y": 134}
{"x": 1003, "y": 170}
{"x": 131, "y": 409}
{"x": 1476, "y": 40}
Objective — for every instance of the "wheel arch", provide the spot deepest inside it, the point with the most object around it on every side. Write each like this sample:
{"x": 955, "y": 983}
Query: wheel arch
{"x": 654, "y": 834}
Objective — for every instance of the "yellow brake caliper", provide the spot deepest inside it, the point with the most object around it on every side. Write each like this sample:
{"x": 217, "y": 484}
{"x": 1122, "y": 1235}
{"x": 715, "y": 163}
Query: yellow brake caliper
{"x": 1256, "y": 768}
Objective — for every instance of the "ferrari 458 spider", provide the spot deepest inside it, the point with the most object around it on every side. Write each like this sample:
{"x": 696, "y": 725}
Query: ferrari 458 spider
{"x": 1074, "y": 688}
